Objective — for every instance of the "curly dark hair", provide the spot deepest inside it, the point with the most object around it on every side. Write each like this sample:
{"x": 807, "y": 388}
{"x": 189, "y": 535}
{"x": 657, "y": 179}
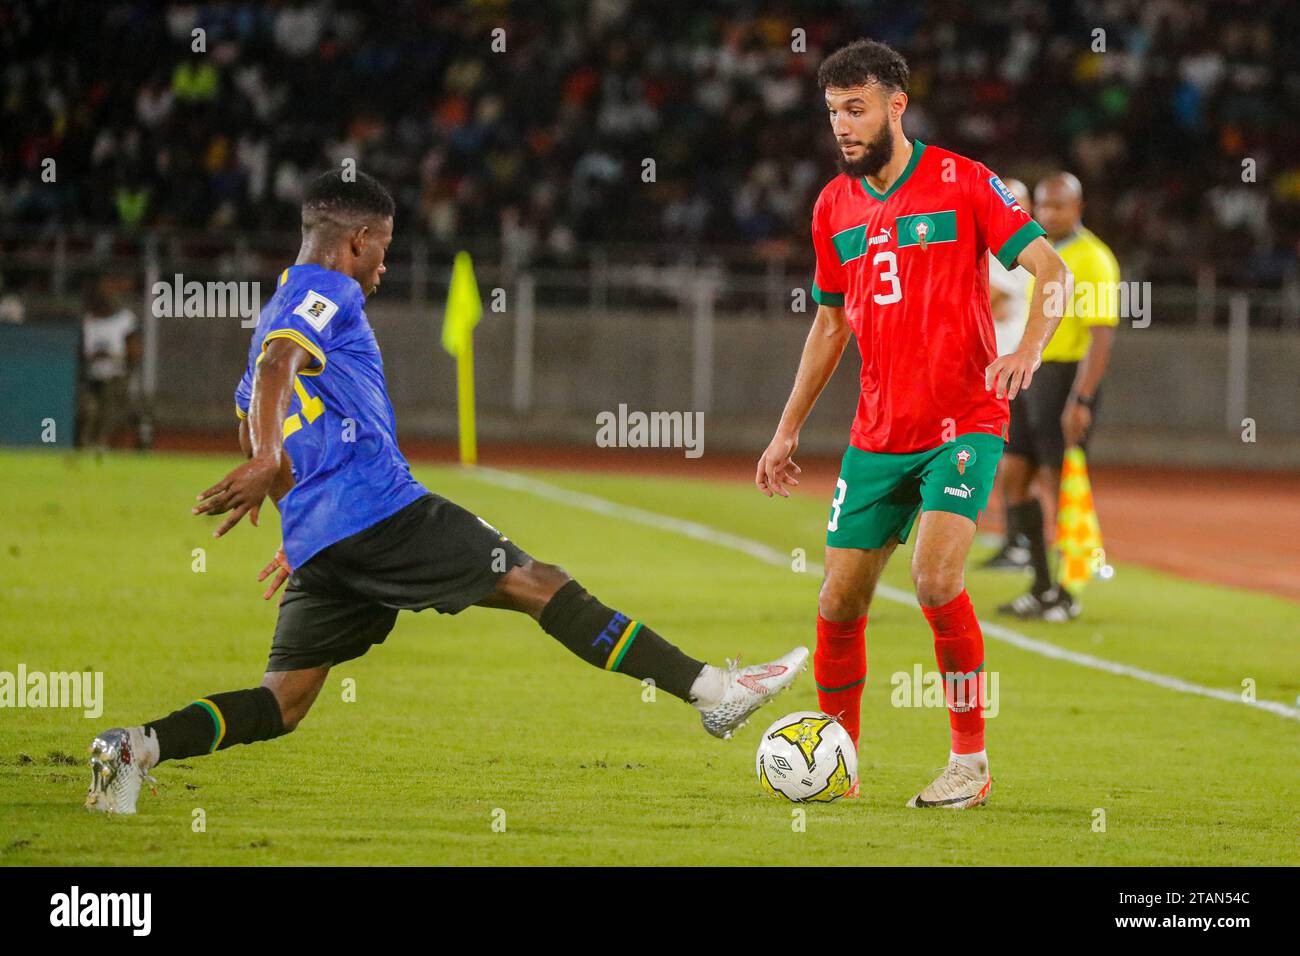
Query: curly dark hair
{"x": 330, "y": 196}
{"x": 861, "y": 62}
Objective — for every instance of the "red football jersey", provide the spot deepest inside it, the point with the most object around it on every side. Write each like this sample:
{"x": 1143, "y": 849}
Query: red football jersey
{"x": 910, "y": 268}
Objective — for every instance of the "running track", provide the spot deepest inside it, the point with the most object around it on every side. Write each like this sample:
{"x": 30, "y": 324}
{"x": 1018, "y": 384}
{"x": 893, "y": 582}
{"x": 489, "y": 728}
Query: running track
{"x": 1240, "y": 529}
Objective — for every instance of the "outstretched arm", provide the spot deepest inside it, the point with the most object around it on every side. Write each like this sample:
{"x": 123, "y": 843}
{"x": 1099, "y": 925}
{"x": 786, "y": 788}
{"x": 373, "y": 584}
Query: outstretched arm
{"x": 821, "y": 354}
{"x": 242, "y": 491}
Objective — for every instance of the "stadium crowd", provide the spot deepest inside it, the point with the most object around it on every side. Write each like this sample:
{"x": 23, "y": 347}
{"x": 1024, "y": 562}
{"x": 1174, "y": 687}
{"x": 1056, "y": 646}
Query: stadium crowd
{"x": 1156, "y": 104}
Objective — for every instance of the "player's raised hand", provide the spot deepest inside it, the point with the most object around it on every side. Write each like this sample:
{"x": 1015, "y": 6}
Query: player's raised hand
{"x": 279, "y": 566}
{"x": 776, "y": 467}
{"x": 1012, "y": 372}
{"x": 241, "y": 493}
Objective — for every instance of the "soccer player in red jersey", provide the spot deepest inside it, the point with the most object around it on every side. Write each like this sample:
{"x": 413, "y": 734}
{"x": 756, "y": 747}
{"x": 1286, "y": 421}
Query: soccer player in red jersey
{"x": 901, "y": 239}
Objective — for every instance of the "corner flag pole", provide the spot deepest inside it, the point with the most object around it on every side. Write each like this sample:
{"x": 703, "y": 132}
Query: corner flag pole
{"x": 464, "y": 309}
{"x": 465, "y": 399}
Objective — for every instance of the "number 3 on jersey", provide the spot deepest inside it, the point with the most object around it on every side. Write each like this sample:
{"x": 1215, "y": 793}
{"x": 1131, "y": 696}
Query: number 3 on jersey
{"x": 890, "y": 275}
{"x": 841, "y": 489}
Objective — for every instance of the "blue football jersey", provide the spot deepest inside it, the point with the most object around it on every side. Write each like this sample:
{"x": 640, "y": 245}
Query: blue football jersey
{"x": 339, "y": 429}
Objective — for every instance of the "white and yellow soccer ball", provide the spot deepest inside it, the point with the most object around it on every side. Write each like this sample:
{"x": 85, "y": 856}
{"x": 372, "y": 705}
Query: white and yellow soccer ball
{"x": 807, "y": 757}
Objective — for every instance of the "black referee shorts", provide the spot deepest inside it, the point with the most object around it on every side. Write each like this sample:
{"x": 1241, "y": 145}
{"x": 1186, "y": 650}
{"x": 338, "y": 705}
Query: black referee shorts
{"x": 1036, "y": 415}
{"x": 430, "y": 554}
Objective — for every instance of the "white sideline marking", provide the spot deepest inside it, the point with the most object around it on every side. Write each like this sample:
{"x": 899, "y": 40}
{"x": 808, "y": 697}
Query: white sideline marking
{"x": 769, "y": 555}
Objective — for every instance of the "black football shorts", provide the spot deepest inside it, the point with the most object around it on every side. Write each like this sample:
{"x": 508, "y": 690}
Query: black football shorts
{"x": 430, "y": 554}
{"x": 1036, "y": 415}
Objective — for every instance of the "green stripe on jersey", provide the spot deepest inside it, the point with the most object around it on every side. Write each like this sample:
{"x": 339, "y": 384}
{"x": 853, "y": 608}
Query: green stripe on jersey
{"x": 835, "y": 299}
{"x": 918, "y": 149}
{"x": 850, "y": 244}
{"x": 927, "y": 228}
{"x": 1016, "y": 244}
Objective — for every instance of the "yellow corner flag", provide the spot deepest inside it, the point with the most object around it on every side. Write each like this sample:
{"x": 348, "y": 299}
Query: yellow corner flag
{"x": 464, "y": 309}
{"x": 1078, "y": 533}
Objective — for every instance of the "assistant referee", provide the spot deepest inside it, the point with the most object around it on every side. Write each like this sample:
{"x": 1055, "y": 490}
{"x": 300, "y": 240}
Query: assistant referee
{"x": 1058, "y": 410}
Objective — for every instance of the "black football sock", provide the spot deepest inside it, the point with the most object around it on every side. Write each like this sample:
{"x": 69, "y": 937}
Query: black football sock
{"x": 1030, "y": 522}
{"x": 614, "y": 642}
{"x": 1015, "y": 533}
{"x": 217, "y": 722}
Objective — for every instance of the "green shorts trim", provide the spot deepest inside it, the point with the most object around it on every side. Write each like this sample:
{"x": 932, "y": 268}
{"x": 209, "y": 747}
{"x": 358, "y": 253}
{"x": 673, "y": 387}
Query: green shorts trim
{"x": 878, "y": 495}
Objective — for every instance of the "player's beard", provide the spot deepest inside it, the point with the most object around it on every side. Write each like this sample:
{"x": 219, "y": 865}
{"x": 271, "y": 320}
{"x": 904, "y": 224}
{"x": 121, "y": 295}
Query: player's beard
{"x": 875, "y": 155}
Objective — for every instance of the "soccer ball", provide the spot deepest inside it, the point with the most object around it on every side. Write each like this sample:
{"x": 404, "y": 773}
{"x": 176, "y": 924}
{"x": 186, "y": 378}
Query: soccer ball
{"x": 807, "y": 756}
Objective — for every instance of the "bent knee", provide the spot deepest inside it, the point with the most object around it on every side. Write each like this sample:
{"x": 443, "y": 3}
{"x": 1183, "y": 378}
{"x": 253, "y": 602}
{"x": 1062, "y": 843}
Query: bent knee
{"x": 530, "y": 587}
{"x": 838, "y": 603}
{"x": 535, "y": 581}
{"x": 543, "y": 575}
{"x": 936, "y": 588}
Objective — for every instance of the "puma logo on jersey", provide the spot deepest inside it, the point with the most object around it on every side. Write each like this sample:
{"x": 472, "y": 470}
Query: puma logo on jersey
{"x": 883, "y": 237}
{"x": 965, "y": 491}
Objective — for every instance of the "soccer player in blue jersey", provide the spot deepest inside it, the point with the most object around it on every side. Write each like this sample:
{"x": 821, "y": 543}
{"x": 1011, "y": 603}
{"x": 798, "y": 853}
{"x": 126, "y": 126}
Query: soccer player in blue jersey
{"x": 362, "y": 538}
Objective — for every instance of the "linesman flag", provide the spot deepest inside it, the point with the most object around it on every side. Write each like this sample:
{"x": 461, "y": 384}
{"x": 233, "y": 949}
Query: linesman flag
{"x": 464, "y": 309}
{"x": 1078, "y": 533}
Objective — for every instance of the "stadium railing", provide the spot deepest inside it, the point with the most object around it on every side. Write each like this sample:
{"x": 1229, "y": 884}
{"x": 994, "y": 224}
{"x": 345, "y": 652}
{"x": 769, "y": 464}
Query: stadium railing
{"x": 658, "y": 329}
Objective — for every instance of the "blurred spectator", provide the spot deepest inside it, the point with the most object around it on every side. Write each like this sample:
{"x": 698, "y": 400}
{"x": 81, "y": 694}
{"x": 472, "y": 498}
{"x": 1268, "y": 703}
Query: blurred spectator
{"x": 12, "y": 308}
{"x": 1157, "y": 103}
{"x": 110, "y": 345}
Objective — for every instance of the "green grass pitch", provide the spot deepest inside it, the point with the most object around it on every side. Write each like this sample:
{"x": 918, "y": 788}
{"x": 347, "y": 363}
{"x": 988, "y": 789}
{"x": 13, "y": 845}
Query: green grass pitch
{"x": 458, "y": 718}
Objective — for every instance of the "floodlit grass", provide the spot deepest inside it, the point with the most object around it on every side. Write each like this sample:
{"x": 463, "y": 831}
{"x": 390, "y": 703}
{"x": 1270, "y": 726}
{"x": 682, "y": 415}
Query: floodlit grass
{"x": 458, "y": 718}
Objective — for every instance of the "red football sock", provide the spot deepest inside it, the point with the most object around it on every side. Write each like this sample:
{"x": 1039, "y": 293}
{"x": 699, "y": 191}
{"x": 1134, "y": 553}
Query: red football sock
{"x": 840, "y": 670}
{"x": 959, "y": 649}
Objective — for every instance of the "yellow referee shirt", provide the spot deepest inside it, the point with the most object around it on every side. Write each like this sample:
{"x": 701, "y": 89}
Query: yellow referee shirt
{"x": 1096, "y": 295}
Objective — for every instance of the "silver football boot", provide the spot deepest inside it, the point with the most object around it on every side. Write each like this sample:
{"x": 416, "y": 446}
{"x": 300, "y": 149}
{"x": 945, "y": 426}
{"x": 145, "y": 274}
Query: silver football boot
{"x": 958, "y": 787}
{"x": 749, "y": 688}
{"x": 117, "y": 770}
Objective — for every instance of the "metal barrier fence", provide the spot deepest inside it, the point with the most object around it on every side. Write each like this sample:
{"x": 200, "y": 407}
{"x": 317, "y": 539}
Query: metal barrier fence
{"x": 51, "y": 264}
{"x": 671, "y": 331}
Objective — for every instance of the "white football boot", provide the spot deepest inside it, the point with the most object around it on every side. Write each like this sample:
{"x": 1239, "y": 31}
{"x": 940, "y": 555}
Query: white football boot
{"x": 959, "y": 786}
{"x": 746, "y": 689}
{"x": 119, "y": 764}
